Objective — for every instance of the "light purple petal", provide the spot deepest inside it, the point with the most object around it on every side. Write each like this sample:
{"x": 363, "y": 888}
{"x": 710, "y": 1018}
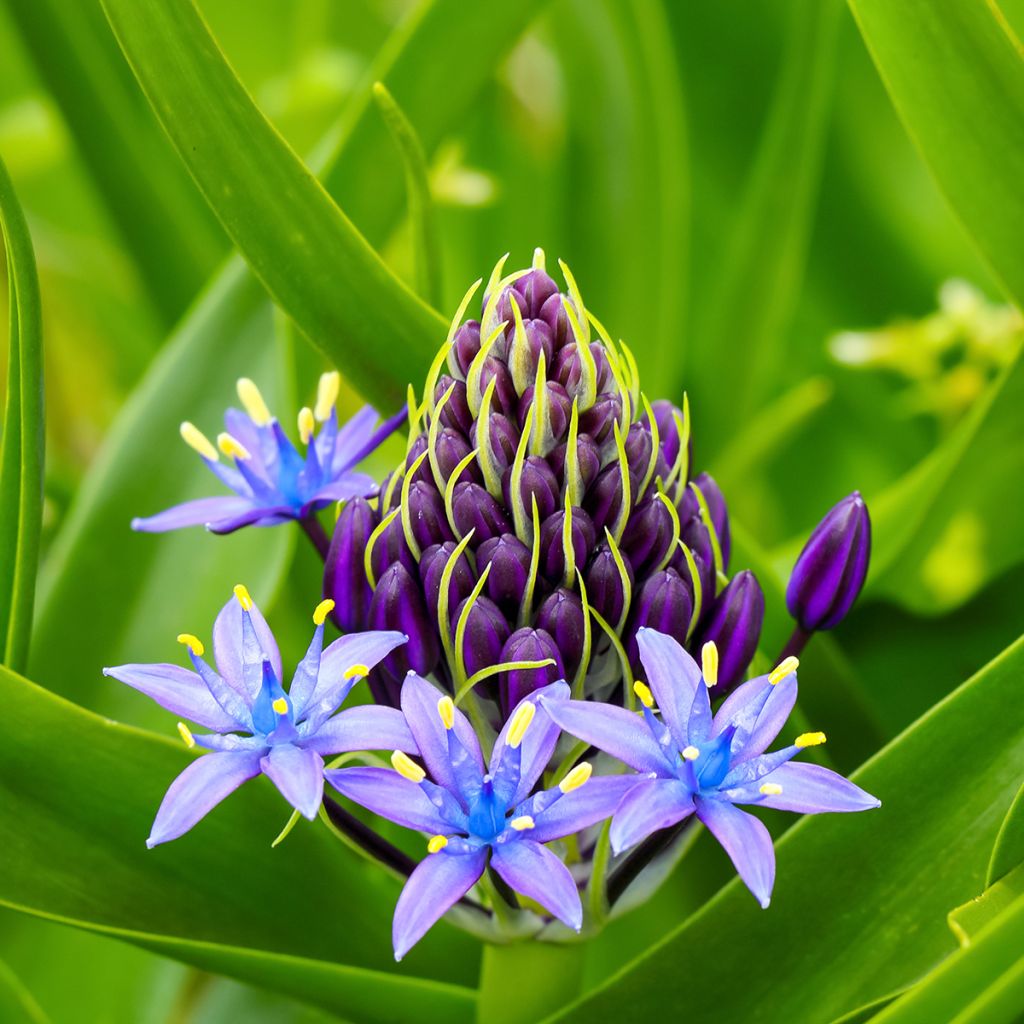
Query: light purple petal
{"x": 809, "y": 789}
{"x": 298, "y": 774}
{"x": 240, "y": 659}
{"x": 579, "y": 809}
{"x": 649, "y": 806}
{"x": 758, "y": 719}
{"x": 539, "y": 742}
{"x": 366, "y": 727}
{"x": 437, "y": 884}
{"x": 616, "y": 731}
{"x": 698, "y": 726}
{"x": 747, "y": 842}
{"x": 192, "y": 513}
{"x": 355, "y": 442}
{"x": 673, "y": 677}
{"x": 419, "y": 705}
{"x": 388, "y": 794}
{"x": 264, "y": 515}
{"x": 307, "y": 672}
{"x": 177, "y": 689}
{"x": 351, "y": 485}
{"x": 534, "y": 871}
{"x": 198, "y": 789}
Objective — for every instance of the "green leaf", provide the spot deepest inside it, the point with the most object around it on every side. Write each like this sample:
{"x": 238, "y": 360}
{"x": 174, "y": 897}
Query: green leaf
{"x": 219, "y": 898}
{"x": 968, "y": 126}
{"x": 850, "y": 888}
{"x": 172, "y": 238}
{"x": 971, "y": 918}
{"x": 22, "y": 444}
{"x": 17, "y": 1004}
{"x": 1008, "y": 849}
{"x": 307, "y": 253}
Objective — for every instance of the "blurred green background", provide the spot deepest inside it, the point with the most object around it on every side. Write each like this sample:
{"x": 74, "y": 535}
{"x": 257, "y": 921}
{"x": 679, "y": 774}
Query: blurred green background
{"x": 738, "y": 201}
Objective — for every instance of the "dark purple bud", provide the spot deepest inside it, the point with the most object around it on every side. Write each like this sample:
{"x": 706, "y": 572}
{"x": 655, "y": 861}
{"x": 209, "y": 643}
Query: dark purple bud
{"x": 455, "y": 413}
{"x": 604, "y": 499}
{"x": 398, "y": 604}
{"x": 598, "y": 419}
{"x": 554, "y": 315}
{"x": 695, "y": 536}
{"x": 552, "y": 549}
{"x": 432, "y": 566}
{"x": 605, "y": 592}
{"x": 559, "y": 408}
{"x": 452, "y": 447}
{"x": 561, "y": 616}
{"x": 427, "y": 516}
{"x": 509, "y": 559}
{"x": 390, "y": 547}
{"x": 719, "y": 513}
{"x": 418, "y": 447}
{"x": 647, "y": 538}
{"x": 538, "y": 481}
{"x": 668, "y": 431}
{"x": 832, "y": 567}
{"x": 588, "y": 456}
{"x": 639, "y": 445}
{"x": 504, "y": 440}
{"x": 486, "y": 632}
{"x": 568, "y": 368}
{"x": 385, "y": 687}
{"x": 734, "y": 623}
{"x": 528, "y": 645}
{"x": 664, "y": 602}
{"x": 536, "y": 288}
{"x": 345, "y": 579}
{"x": 537, "y": 341}
{"x": 505, "y": 397}
{"x": 467, "y": 344}
{"x": 473, "y": 508}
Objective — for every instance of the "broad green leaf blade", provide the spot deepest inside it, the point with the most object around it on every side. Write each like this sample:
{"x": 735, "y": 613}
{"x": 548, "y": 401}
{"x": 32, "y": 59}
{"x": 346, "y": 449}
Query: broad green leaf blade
{"x": 171, "y": 236}
{"x": 968, "y": 125}
{"x": 740, "y": 328}
{"x": 307, "y": 253}
{"x": 850, "y": 888}
{"x": 21, "y": 447}
{"x": 974, "y": 916}
{"x": 16, "y": 1002}
{"x": 75, "y": 818}
{"x": 1008, "y": 849}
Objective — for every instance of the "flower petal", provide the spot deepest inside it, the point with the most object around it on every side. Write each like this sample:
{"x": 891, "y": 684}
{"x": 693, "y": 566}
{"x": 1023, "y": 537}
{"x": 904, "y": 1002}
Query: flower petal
{"x": 534, "y": 871}
{"x": 757, "y": 716}
{"x": 673, "y": 677}
{"x": 198, "y": 789}
{"x": 357, "y": 438}
{"x": 747, "y": 842}
{"x": 579, "y": 809}
{"x": 351, "y": 485}
{"x": 239, "y": 652}
{"x": 649, "y": 806}
{"x": 366, "y": 727}
{"x": 177, "y": 689}
{"x": 263, "y": 515}
{"x": 437, "y": 884}
{"x": 298, "y": 774}
{"x": 192, "y": 513}
{"x": 386, "y": 793}
{"x": 809, "y": 789}
{"x": 614, "y": 730}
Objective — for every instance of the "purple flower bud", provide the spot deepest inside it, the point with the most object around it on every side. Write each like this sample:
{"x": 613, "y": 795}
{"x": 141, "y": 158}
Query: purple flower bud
{"x": 452, "y": 447}
{"x": 638, "y": 445}
{"x": 536, "y": 288}
{"x": 598, "y": 419}
{"x": 345, "y": 579}
{"x": 509, "y": 559}
{"x": 432, "y": 566}
{"x": 528, "y": 645}
{"x": 390, "y": 547}
{"x": 398, "y": 604}
{"x": 427, "y": 515}
{"x": 385, "y": 687}
{"x": 553, "y": 314}
{"x": 552, "y": 550}
{"x": 473, "y": 508}
{"x": 734, "y": 623}
{"x": 559, "y": 407}
{"x": 664, "y": 603}
{"x": 648, "y": 535}
{"x": 719, "y": 513}
{"x": 486, "y": 632}
{"x": 668, "y": 432}
{"x": 568, "y": 369}
{"x": 604, "y": 499}
{"x": 537, "y": 482}
{"x": 605, "y": 592}
{"x": 418, "y": 447}
{"x": 505, "y": 397}
{"x": 832, "y": 567}
{"x": 455, "y": 413}
{"x": 467, "y": 344}
{"x": 695, "y": 536}
{"x": 504, "y": 440}
{"x": 561, "y": 616}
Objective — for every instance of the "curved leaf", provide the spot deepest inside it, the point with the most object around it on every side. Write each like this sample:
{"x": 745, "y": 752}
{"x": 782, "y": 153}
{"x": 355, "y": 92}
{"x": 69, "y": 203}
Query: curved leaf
{"x": 1008, "y": 849}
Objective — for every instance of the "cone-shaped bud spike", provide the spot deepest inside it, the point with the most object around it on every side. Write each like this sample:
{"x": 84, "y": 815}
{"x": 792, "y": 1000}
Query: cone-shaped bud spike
{"x": 663, "y": 602}
{"x": 431, "y": 569}
{"x": 345, "y": 579}
{"x": 474, "y": 509}
{"x": 398, "y": 604}
{"x": 607, "y": 591}
{"x": 734, "y": 624}
{"x": 830, "y": 572}
{"x": 528, "y": 645}
{"x": 561, "y": 616}
{"x": 509, "y": 559}
{"x": 487, "y": 630}
{"x": 552, "y": 549}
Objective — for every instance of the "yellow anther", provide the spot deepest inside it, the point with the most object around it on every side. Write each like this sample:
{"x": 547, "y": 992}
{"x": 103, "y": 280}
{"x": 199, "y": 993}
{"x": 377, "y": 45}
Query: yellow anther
{"x": 771, "y": 789}
{"x": 643, "y": 693}
{"x": 446, "y": 709}
{"x": 709, "y": 663}
{"x": 306, "y": 424}
{"x": 356, "y": 671}
{"x": 520, "y": 723}
{"x": 810, "y": 739}
{"x": 232, "y": 447}
{"x": 322, "y": 610}
{"x": 193, "y": 643}
{"x": 186, "y": 735}
{"x": 243, "y": 597}
{"x": 690, "y": 753}
{"x": 523, "y": 823}
{"x": 280, "y": 706}
{"x": 786, "y": 667}
{"x": 327, "y": 394}
{"x": 435, "y": 844}
{"x": 195, "y": 438}
{"x": 249, "y": 395}
{"x": 407, "y": 767}
{"x": 576, "y": 777}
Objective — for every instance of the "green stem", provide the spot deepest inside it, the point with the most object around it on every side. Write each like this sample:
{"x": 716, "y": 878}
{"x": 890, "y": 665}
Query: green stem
{"x": 528, "y": 981}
